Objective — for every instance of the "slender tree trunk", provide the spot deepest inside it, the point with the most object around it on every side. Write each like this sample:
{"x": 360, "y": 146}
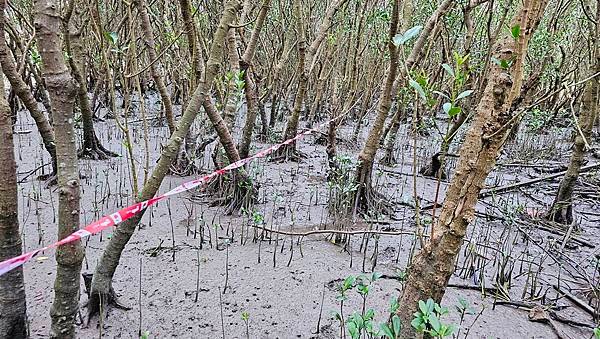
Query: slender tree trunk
{"x": 251, "y": 90}
{"x": 102, "y": 291}
{"x": 13, "y": 312}
{"x": 562, "y": 207}
{"x": 305, "y": 67}
{"x": 92, "y": 147}
{"x": 21, "y": 89}
{"x": 61, "y": 88}
{"x": 433, "y": 266}
{"x": 365, "y": 197}
{"x": 155, "y": 67}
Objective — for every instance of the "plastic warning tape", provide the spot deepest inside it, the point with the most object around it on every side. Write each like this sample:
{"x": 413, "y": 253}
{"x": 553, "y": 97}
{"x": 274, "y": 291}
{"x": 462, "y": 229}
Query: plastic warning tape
{"x": 129, "y": 211}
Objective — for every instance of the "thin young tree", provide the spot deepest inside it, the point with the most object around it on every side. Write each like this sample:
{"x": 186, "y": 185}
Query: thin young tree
{"x": 21, "y": 89}
{"x": 366, "y": 197}
{"x": 250, "y": 88}
{"x": 91, "y": 147}
{"x": 102, "y": 292}
{"x": 562, "y": 207}
{"x": 13, "y": 312}
{"x": 433, "y": 265}
{"x": 306, "y": 65}
{"x": 155, "y": 66}
{"x": 62, "y": 91}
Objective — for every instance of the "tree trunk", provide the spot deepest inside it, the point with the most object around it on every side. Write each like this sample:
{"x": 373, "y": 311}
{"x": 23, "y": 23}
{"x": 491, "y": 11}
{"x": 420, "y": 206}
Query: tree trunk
{"x": 433, "y": 266}
{"x": 251, "y": 88}
{"x": 155, "y": 68}
{"x": 101, "y": 291}
{"x": 21, "y": 89}
{"x": 92, "y": 147}
{"x": 366, "y": 198}
{"x": 562, "y": 207}
{"x": 13, "y": 315}
{"x": 305, "y": 66}
{"x": 61, "y": 88}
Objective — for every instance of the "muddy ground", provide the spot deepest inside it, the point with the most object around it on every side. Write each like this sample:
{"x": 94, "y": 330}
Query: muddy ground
{"x": 185, "y": 252}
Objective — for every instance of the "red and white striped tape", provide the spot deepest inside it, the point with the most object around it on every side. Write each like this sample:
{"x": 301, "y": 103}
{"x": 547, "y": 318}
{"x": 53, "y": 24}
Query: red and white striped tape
{"x": 129, "y": 211}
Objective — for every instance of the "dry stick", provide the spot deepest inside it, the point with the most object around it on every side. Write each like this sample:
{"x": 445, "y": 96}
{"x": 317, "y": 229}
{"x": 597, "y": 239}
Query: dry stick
{"x": 502, "y": 189}
{"x": 222, "y": 320}
{"x": 320, "y": 311}
{"x": 140, "y": 298}
{"x": 585, "y": 306}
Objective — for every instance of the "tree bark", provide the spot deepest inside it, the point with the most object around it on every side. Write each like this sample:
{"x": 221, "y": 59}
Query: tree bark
{"x": 101, "y": 290}
{"x": 155, "y": 68}
{"x": 92, "y": 148}
{"x": 250, "y": 88}
{"x": 433, "y": 266}
{"x": 21, "y": 89}
{"x": 13, "y": 312}
{"x": 305, "y": 67}
{"x": 562, "y": 207}
{"x": 365, "y": 197}
{"x": 62, "y": 90}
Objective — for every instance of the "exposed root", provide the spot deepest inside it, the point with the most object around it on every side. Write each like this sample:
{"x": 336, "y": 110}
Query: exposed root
{"x": 99, "y": 301}
{"x": 561, "y": 212}
{"x": 369, "y": 202}
{"x": 50, "y": 179}
{"x": 389, "y": 159}
{"x": 434, "y": 168}
{"x": 184, "y": 165}
{"x": 366, "y": 200}
{"x": 93, "y": 150}
{"x": 287, "y": 153}
{"x": 235, "y": 191}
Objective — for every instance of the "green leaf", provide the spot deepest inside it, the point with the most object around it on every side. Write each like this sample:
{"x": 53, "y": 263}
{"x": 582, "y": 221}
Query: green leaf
{"x": 449, "y": 70}
{"x": 396, "y": 324}
{"x": 435, "y": 322}
{"x": 430, "y": 305}
{"x": 386, "y": 331}
{"x": 464, "y": 94}
{"x": 112, "y": 37}
{"x": 515, "y": 31}
{"x": 353, "y": 330}
{"x": 401, "y": 39}
{"x": 411, "y": 33}
{"x": 454, "y": 111}
{"x": 418, "y": 88}
{"x": 447, "y": 107}
{"x": 348, "y": 282}
{"x": 417, "y": 323}
{"x": 422, "y": 305}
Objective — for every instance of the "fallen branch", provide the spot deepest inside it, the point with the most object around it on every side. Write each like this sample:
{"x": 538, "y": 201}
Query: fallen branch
{"x": 585, "y": 306}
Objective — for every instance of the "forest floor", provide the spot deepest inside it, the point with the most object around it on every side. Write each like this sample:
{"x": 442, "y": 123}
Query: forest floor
{"x": 184, "y": 252}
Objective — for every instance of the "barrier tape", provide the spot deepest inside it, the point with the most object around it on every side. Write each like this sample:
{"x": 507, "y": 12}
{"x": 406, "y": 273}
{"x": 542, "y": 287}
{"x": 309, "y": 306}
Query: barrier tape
{"x": 129, "y": 211}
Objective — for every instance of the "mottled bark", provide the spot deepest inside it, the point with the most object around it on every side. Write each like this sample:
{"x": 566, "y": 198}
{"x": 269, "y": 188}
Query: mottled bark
{"x": 62, "y": 90}
{"x": 433, "y": 266}
{"x": 102, "y": 292}
{"x": 13, "y": 315}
